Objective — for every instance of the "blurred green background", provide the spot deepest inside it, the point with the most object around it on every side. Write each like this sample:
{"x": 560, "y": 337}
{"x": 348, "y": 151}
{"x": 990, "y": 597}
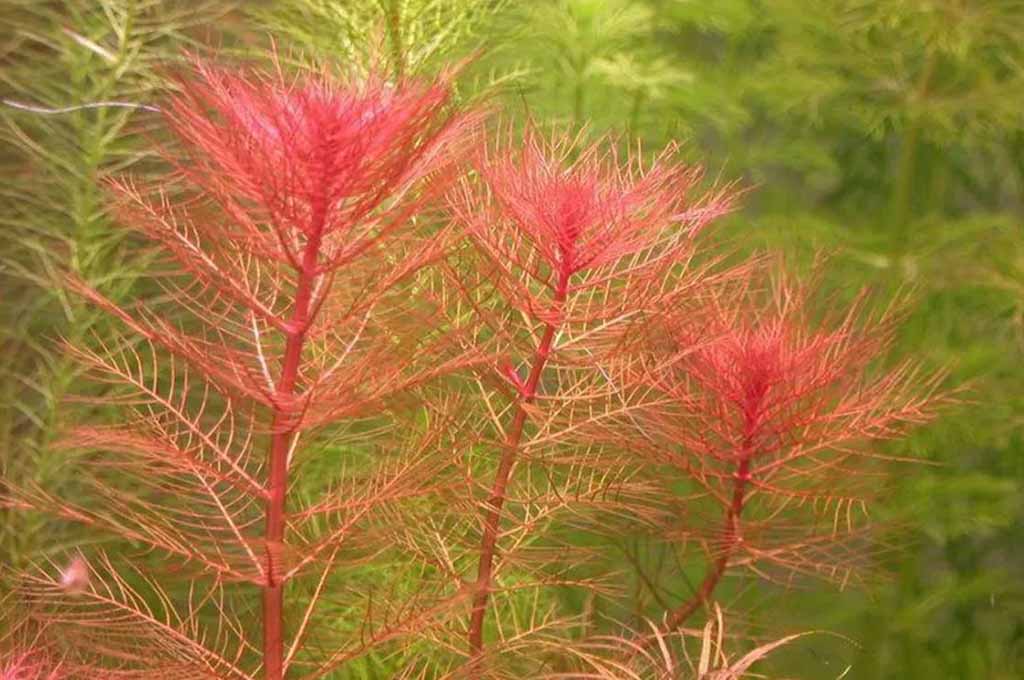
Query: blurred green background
{"x": 887, "y": 133}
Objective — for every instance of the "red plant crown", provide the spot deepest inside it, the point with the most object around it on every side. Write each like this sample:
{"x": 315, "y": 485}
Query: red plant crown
{"x": 768, "y": 414}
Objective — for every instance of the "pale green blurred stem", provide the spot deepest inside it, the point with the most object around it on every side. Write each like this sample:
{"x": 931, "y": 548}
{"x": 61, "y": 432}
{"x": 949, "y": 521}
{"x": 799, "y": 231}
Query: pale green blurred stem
{"x": 577, "y": 101}
{"x": 636, "y": 108}
{"x": 906, "y": 168}
{"x": 579, "y": 69}
{"x": 394, "y": 32}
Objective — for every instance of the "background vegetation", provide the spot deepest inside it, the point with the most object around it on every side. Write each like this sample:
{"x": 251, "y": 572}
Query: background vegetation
{"x": 888, "y": 133}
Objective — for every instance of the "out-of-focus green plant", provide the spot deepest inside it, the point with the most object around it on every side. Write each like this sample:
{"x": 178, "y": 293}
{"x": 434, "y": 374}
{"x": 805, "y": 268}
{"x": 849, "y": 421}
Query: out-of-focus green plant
{"x": 586, "y": 61}
{"x": 410, "y": 35}
{"x": 72, "y": 75}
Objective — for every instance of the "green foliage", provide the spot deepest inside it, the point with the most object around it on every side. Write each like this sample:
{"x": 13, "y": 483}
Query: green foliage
{"x": 410, "y": 35}
{"x": 583, "y": 61}
{"x": 55, "y": 160}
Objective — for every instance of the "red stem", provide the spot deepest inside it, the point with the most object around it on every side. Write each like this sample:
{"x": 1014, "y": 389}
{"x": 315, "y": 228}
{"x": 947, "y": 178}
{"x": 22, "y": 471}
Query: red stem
{"x": 283, "y": 431}
{"x": 496, "y": 501}
{"x": 729, "y": 539}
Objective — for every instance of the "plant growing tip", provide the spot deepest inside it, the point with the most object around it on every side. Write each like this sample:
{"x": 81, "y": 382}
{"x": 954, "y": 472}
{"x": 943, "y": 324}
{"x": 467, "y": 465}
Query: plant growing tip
{"x": 769, "y": 414}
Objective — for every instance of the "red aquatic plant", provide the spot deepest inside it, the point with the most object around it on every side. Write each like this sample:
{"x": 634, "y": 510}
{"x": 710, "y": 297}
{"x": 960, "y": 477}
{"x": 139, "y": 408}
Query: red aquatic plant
{"x": 452, "y": 361}
{"x": 289, "y": 234}
{"x": 26, "y": 653}
{"x": 769, "y": 412}
{"x": 573, "y": 245}
{"x": 29, "y": 666}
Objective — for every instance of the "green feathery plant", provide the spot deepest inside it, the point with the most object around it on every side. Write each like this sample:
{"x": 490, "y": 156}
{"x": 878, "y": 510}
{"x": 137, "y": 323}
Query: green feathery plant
{"x": 412, "y": 36}
{"x": 585, "y": 61}
{"x": 72, "y": 78}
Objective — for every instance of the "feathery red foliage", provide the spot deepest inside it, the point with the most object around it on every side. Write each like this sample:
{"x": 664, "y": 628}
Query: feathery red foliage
{"x": 25, "y": 651}
{"x": 294, "y": 224}
{"x": 562, "y": 226}
{"x": 768, "y": 413}
{"x": 29, "y": 666}
{"x": 580, "y": 245}
{"x": 305, "y": 290}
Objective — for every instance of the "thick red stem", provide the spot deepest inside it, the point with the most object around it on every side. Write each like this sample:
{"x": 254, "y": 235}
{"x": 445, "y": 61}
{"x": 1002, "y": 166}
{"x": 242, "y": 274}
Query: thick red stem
{"x": 496, "y": 501}
{"x": 283, "y": 431}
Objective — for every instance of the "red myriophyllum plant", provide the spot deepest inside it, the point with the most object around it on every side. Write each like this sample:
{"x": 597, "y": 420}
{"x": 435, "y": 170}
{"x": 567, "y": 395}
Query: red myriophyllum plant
{"x": 289, "y": 235}
{"x": 278, "y": 421}
{"x": 572, "y": 247}
{"x": 767, "y": 411}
